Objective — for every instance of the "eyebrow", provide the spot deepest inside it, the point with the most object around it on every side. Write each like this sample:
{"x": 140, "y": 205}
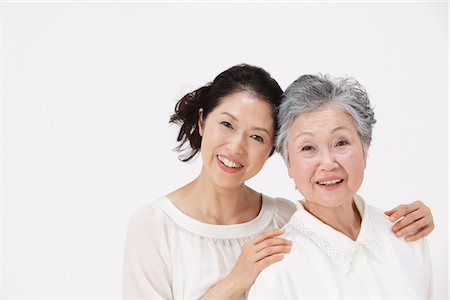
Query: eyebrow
{"x": 332, "y": 131}
{"x": 253, "y": 128}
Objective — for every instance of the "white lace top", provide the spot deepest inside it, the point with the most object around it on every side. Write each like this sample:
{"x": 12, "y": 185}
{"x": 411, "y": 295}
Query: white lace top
{"x": 324, "y": 263}
{"x": 169, "y": 255}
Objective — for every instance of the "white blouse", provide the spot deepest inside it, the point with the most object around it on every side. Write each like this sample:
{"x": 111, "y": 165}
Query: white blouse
{"x": 324, "y": 263}
{"x": 169, "y": 255}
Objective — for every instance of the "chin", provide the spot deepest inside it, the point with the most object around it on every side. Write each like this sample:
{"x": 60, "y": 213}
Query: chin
{"x": 330, "y": 201}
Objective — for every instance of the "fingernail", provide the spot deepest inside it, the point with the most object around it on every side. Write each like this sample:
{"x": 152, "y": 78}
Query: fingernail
{"x": 398, "y": 233}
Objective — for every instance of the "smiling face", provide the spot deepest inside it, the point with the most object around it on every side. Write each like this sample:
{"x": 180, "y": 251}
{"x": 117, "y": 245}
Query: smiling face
{"x": 237, "y": 138}
{"x": 326, "y": 158}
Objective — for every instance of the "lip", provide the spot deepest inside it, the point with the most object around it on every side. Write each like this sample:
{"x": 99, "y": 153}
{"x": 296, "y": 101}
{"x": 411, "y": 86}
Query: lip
{"x": 329, "y": 188}
{"x": 226, "y": 168}
{"x": 329, "y": 178}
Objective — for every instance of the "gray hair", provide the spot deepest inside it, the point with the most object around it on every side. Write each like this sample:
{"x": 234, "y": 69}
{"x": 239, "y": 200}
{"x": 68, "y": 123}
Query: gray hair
{"x": 309, "y": 93}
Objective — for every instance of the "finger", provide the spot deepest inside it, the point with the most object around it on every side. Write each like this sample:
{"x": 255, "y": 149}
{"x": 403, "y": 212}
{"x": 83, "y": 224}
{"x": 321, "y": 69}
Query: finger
{"x": 272, "y": 242}
{"x": 267, "y": 235}
{"x": 425, "y": 211}
{"x": 395, "y": 213}
{"x": 424, "y": 231}
{"x": 415, "y": 237}
{"x": 269, "y": 251}
{"x": 412, "y": 228}
{"x": 389, "y": 212}
{"x": 403, "y": 210}
{"x": 407, "y": 220}
{"x": 264, "y": 263}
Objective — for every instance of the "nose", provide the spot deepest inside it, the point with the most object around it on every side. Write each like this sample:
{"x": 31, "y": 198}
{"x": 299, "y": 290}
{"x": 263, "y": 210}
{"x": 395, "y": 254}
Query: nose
{"x": 236, "y": 143}
{"x": 327, "y": 161}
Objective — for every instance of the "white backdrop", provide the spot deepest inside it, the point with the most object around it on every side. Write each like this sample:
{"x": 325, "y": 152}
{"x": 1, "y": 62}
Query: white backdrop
{"x": 87, "y": 90}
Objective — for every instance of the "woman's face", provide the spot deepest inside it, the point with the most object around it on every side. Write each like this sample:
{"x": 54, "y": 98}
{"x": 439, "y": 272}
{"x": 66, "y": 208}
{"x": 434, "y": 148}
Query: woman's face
{"x": 237, "y": 137}
{"x": 326, "y": 158}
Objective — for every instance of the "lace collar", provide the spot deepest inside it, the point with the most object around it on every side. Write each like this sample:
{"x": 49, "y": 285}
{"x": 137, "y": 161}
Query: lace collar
{"x": 335, "y": 244}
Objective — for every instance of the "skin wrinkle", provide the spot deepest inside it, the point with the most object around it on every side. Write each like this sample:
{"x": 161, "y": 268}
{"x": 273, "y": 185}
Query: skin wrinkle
{"x": 330, "y": 149}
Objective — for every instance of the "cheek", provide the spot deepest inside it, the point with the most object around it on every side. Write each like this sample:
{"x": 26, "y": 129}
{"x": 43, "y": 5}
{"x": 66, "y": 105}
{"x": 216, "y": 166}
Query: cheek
{"x": 355, "y": 164}
{"x": 212, "y": 134}
{"x": 301, "y": 169}
{"x": 260, "y": 156}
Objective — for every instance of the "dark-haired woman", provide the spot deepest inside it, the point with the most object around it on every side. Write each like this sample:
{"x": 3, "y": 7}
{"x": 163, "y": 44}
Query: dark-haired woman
{"x": 210, "y": 238}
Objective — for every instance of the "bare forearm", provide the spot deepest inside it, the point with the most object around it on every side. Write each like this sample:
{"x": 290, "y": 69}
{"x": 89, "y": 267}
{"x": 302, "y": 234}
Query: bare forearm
{"x": 224, "y": 289}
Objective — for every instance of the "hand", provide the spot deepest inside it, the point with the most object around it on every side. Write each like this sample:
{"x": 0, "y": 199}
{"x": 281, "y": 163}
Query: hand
{"x": 414, "y": 221}
{"x": 256, "y": 255}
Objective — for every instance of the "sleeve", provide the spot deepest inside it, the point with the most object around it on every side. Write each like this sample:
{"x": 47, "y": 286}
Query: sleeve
{"x": 428, "y": 269}
{"x": 267, "y": 286}
{"x": 284, "y": 212}
{"x": 146, "y": 266}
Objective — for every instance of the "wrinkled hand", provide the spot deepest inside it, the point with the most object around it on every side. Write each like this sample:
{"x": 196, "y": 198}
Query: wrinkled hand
{"x": 256, "y": 255}
{"x": 414, "y": 221}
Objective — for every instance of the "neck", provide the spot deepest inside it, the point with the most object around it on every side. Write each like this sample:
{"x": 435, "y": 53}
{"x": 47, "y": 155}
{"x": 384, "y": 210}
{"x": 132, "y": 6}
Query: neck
{"x": 345, "y": 218}
{"x": 209, "y": 203}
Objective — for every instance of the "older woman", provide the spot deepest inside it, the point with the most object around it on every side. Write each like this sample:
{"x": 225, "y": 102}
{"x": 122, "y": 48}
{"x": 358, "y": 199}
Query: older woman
{"x": 342, "y": 247}
{"x": 210, "y": 238}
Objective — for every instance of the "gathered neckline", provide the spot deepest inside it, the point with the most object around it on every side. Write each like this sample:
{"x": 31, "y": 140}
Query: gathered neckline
{"x": 232, "y": 231}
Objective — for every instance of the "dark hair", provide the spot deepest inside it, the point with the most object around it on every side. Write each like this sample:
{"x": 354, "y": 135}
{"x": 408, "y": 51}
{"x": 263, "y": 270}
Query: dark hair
{"x": 239, "y": 78}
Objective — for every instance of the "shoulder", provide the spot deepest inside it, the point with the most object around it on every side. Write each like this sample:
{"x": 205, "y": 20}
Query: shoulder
{"x": 414, "y": 257}
{"x": 378, "y": 216}
{"x": 149, "y": 211}
{"x": 149, "y": 219}
{"x": 384, "y": 226}
{"x": 267, "y": 285}
{"x": 284, "y": 209}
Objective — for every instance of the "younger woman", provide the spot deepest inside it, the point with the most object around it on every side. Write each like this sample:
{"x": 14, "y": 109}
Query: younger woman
{"x": 212, "y": 237}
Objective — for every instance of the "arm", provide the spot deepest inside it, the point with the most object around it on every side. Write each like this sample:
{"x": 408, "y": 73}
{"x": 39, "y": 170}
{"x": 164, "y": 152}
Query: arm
{"x": 428, "y": 270}
{"x": 414, "y": 221}
{"x": 145, "y": 271}
{"x": 256, "y": 255}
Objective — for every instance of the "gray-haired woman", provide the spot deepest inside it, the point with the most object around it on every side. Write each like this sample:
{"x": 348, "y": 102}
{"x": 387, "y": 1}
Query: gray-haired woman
{"x": 342, "y": 247}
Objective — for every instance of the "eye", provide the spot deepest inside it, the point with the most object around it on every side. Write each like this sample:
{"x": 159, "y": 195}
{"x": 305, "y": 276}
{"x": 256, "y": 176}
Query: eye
{"x": 226, "y": 124}
{"x": 307, "y": 148}
{"x": 341, "y": 143}
{"x": 257, "y": 138}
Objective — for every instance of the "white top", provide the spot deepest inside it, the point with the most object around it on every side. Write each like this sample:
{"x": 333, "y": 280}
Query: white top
{"x": 324, "y": 263}
{"x": 169, "y": 255}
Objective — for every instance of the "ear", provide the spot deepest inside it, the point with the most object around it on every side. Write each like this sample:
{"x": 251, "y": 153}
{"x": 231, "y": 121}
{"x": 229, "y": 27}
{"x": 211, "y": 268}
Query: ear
{"x": 200, "y": 121}
{"x": 365, "y": 155}
{"x": 288, "y": 164}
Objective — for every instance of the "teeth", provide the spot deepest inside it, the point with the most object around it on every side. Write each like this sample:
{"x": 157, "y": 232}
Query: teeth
{"x": 228, "y": 163}
{"x": 330, "y": 182}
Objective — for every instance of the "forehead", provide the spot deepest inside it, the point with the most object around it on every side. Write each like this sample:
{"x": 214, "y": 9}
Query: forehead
{"x": 323, "y": 120}
{"x": 246, "y": 105}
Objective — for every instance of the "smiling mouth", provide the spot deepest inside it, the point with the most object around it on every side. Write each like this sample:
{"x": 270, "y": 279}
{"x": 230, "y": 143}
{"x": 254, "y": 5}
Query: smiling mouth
{"x": 229, "y": 163}
{"x": 330, "y": 182}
